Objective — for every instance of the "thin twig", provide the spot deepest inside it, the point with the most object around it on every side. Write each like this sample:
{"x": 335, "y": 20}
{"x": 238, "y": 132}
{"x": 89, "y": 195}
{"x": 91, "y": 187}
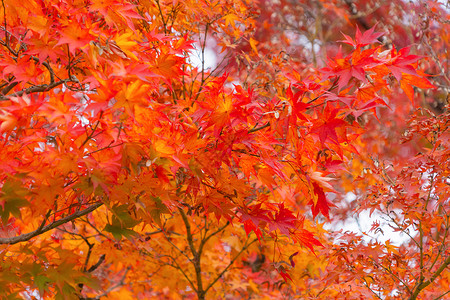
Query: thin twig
{"x": 4, "y": 17}
{"x": 229, "y": 265}
{"x": 259, "y": 128}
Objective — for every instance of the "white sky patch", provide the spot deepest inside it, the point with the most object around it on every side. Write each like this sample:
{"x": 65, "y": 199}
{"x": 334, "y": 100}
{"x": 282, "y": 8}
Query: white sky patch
{"x": 303, "y": 40}
{"x": 195, "y": 58}
{"x": 363, "y": 222}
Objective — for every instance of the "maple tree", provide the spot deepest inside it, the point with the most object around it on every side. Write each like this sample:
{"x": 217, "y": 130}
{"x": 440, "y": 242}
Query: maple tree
{"x": 129, "y": 171}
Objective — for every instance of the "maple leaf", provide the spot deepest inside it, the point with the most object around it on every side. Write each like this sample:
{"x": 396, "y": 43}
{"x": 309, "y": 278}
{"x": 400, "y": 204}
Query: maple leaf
{"x": 44, "y": 48}
{"x": 400, "y": 62}
{"x": 167, "y": 65}
{"x": 39, "y": 24}
{"x": 298, "y": 106}
{"x": 184, "y": 44}
{"x": 108, "y": 131}
{"x": 230, "y": 19}
{"x": 286, "y": 277}
{"x": 23, "y": 69}
{"x": 75, "y": 37}
{"x": 12, "y": 198}
{"x": 253, "y": 44}
{"x": 256, "y": 214}
{"x": 408, "y": 81}
{"x": 249, "y": 226}
{"x": 221, "y": 115}
{"x": 284, "y": 220}
{"x": 368, "y": 93}
{"x": 361, "y": 40}
{"x": 326, "y": 129}
{"x": 320, "y": 203}
{"x": 306, "y": 239}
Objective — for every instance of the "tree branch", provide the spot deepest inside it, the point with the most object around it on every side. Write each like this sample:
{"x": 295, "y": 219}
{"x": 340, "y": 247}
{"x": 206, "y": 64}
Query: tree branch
{"x": 117, "y": 285}
{"x": 35, "y": 89}
{"x": 99, "y": 262}
{"x": 4, "y": 17}
{"x": 8, "y": 88}
{"x": 184, "y": 274}
{"x": 42, "y": 229}
{"x": 196, "y": 256}
{"x": 188, "y": 232}
{"x": 176, "y": 248}
{"x": 392, "y": 274}
{"x": 438, "y": 272}
{"x": 206, "y": 238}
{"x": 229, "y": 265}
{"x": 259, "y": 128}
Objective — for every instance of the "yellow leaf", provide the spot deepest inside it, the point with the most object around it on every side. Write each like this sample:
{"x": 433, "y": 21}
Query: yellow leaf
{"x": 253, "y": 44}
{"x": 162, "y": 147}
{"x": 229, "y": 19}
{"x": 126, "y": 44}
{"x": 122, "y": 294}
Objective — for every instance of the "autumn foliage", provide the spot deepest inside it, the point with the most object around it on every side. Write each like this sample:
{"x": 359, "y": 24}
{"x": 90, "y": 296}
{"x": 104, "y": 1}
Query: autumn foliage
{"x": 207, "y": 149}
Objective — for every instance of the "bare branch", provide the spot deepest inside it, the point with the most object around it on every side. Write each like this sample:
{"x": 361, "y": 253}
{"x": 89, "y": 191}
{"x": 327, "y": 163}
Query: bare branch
{"x": 9, "y": 87}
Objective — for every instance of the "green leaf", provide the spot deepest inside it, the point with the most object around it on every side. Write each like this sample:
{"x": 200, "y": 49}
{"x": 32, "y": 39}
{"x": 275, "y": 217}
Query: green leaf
{"x": 12, "y": 198}
{"x": 121, "y": 214}
{"x": 41, "y": 282}
{"x": 157, "y": 210}
{"x": 118, "y": 231}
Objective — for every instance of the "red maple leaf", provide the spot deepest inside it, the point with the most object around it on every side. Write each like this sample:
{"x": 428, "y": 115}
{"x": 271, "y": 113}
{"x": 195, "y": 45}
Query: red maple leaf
{"x": 284, "y": 274}
{"x": 284, "y": 220}
{"x": 322, "y": 205}
{"x": 326, "y": 129}
{"x": 401, "y": 62}
{"x": 362, "y": 39}
{"x": 249, "y": 226}
{"x": 75, "y": 37}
